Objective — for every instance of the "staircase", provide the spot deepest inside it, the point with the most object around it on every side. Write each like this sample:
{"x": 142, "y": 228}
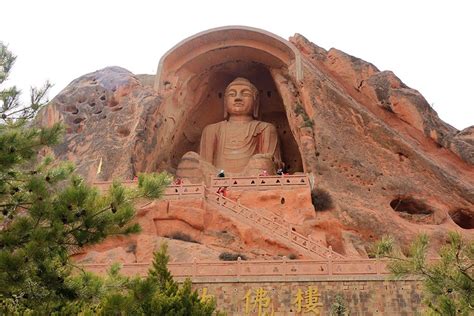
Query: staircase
{"x": 271, "y": 224}
{"x": 275, "y": 228}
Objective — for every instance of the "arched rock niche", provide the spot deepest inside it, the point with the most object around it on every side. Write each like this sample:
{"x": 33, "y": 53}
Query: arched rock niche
{"x": 192, "y": 77}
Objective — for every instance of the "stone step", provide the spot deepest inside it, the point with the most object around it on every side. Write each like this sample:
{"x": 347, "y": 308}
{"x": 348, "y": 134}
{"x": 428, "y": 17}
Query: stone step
{"x": 274, "y": 229}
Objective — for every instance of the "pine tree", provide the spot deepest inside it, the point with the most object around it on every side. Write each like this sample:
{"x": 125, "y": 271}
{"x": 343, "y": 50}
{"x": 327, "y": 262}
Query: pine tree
{"x": 448, "y": 281}
{"x": 156, "y": 294}
{"x": 46, "y": 210}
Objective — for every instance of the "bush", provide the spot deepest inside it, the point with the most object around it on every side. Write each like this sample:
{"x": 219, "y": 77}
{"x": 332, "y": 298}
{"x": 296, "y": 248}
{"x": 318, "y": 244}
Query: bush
{"x": 181, "y": 236}
{"x": 307, "y": 121}
{"x": 338, "y": 307}
{"x": 321, "y": 199}
{"x": 155, "y": 294}
{"x": 292, "y": 256}
{"x": 229, "y": 256}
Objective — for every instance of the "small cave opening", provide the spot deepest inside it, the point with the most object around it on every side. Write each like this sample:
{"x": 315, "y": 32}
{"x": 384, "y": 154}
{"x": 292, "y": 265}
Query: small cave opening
{"x": 413, "y": 210}
{"x": 463, "y": 218}
{"x": 78, "y": 120}
{"x": 123, "y": 131}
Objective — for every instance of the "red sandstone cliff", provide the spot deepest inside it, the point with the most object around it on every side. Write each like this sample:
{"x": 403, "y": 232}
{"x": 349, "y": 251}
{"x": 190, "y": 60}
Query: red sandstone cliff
{"x": 375, "y": 145}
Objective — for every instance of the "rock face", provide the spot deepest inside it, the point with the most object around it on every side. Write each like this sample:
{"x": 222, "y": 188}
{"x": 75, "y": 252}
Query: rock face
{"x": 390, "y": 165}
{"x": 104, "y": 113}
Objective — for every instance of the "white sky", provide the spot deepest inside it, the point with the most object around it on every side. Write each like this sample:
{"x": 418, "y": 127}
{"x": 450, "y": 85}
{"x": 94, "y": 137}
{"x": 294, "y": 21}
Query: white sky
{"x": 429, "y": 45}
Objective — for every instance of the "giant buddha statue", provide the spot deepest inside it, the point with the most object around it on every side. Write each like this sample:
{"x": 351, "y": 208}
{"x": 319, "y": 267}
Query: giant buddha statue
{"x": 239, "y": 145}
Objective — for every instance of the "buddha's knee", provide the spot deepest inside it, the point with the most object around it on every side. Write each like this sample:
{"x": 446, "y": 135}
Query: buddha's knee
{"x": 194, "y": 168}
{"x": 189, "y": 166}
{"x": 259, "y": 163}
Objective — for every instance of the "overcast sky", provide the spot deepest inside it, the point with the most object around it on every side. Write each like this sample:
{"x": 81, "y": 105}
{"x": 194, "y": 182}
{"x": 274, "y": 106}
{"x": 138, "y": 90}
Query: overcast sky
{"x": 429, "y": 45}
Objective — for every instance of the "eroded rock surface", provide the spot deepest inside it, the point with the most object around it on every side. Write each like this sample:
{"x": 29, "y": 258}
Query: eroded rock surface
{"x": 105, "y": 114}
{"x": 389, "y": 163}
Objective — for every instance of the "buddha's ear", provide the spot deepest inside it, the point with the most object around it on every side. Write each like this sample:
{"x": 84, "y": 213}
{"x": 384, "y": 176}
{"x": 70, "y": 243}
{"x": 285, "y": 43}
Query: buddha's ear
{"x": 256, "y": 107}
{"x": 226, "y": 114}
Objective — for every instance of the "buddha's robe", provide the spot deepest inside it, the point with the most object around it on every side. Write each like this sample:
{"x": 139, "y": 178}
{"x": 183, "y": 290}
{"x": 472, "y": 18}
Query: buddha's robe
{"x": 230, "y": 145}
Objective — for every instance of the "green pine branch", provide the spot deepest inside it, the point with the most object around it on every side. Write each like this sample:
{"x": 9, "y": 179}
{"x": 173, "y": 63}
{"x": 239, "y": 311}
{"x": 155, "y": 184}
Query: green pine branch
{"x": 448, "y": 280}
{"x": 47, "y": 210}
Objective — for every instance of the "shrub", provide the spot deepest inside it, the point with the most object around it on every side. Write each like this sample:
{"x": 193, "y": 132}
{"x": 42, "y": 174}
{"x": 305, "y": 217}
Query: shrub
{"x": 292, "y": 256}
{"x": 299, "y": 110}
{"x": 181, "y": 236}
{"x": 229, "y": 256}
{"x": 321, "y": 199}
{"x": 308, "y": 123}
{"x": 155, "y": 294}
{"x": 338, "y": 307}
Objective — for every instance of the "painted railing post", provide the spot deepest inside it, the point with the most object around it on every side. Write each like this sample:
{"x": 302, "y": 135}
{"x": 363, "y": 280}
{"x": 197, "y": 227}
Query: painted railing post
{"x": 330, "y": 261}
{"x": 284, "y": 267}
{"x": 239, "y": 263}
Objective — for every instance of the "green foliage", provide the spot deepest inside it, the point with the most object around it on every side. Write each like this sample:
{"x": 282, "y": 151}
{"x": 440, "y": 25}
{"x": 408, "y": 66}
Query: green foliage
{"x": 229, "y": 256}
{"x": 47, "y": 211}
{"x": 321, "y": 199}
{"x": 338, "y": 307}
{"x": 292, "y": 256}
{"x": 181, "y": 236}
{"x": 382, "y": 248}
{"x": 448, "y": 282}
{"x": 156, "y": 294}
{"x": 300, "y": 111}
{"x": 11, "y": 109}
{"x": 153, "y": 185}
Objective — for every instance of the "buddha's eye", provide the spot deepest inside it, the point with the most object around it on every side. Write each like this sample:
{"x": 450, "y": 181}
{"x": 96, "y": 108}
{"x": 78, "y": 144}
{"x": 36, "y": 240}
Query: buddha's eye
{"x": 247, "y": 94}
{"x": 231, "y": 94}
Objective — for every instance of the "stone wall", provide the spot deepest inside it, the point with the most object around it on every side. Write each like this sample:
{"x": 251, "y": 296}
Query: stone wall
{"x": 361, "y": 296}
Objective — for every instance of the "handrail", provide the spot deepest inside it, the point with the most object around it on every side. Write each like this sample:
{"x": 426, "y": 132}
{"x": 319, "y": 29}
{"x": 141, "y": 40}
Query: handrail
{"x": 276, "y": 225}
{"x": 285, "y": 232}
{"x": 260, "y": 182}
{"x": 260, "y": 268}
{"x": 185, "y": 190}
{"x": 173, "y": 190}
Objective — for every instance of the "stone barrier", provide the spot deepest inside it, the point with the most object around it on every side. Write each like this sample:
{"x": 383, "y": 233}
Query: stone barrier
{"x": 184, "y": 190}
{"x": 233, "y": 270}
{"x": 260, "y": 182}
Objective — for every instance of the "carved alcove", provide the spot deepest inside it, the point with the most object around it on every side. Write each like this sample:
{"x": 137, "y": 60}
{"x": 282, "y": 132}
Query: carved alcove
{"x": 192, "y": 78}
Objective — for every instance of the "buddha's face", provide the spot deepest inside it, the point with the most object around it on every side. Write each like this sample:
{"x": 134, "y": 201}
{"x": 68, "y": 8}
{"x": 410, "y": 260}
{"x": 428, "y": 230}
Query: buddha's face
{"x": 239, "y": 100}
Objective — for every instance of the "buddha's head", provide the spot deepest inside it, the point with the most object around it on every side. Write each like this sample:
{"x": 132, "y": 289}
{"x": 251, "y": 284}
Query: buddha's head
{"x": 241, "y": 99}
